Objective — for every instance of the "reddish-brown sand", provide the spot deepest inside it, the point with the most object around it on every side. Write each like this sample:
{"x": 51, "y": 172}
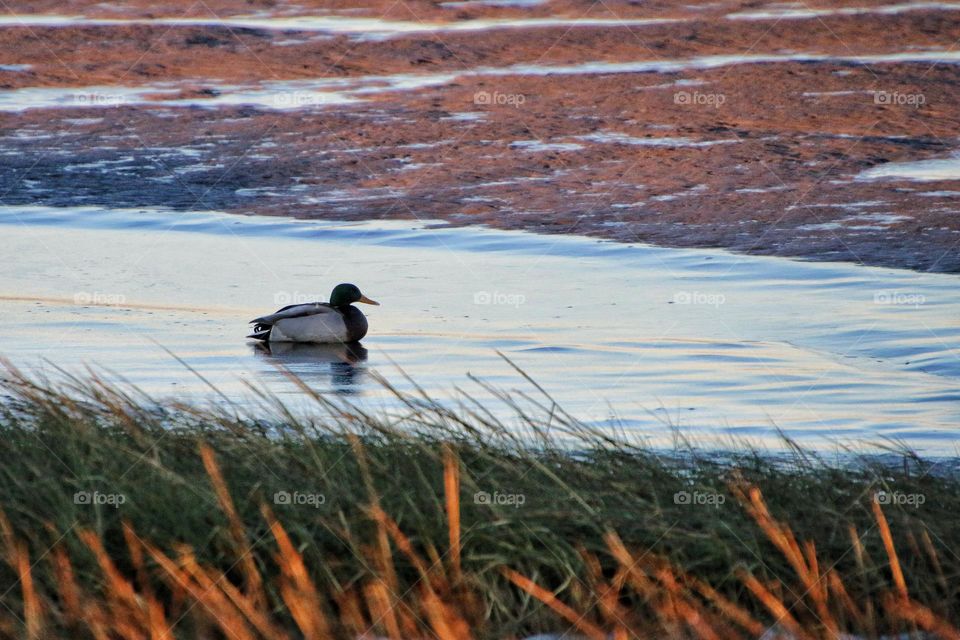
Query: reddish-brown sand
{"x": 579, "y": 153}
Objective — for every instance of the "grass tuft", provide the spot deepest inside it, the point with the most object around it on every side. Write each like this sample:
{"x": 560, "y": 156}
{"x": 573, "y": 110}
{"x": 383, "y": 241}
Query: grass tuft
{"x": 125, "y": 518}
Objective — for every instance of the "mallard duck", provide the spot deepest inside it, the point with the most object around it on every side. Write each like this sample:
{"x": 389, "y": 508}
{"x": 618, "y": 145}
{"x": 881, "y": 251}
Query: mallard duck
{"x": 337, "y": 321}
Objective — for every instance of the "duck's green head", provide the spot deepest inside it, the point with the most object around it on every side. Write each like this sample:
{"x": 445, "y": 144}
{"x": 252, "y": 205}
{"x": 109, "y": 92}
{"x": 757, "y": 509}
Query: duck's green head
{"x": 346, "y": 294}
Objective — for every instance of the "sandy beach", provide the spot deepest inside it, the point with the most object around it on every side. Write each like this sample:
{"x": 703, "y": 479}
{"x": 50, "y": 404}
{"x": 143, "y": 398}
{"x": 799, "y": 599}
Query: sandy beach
{"x": 826, "y": 132}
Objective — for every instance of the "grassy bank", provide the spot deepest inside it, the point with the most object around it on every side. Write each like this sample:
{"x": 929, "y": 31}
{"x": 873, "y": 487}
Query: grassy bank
{"x": 122, "y": 519}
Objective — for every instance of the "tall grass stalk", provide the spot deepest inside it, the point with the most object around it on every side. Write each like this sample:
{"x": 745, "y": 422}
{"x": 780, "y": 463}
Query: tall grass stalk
{"x": 125, "y": 518}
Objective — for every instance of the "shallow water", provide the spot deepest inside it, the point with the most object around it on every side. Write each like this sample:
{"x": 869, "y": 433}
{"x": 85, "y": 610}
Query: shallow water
{"x": 713, "y": 343}
{"x": 805, "y": 13}
{"x": 360, "y": 28}
{"x": 377, "y": 28}
{"x": 920, "y": 170}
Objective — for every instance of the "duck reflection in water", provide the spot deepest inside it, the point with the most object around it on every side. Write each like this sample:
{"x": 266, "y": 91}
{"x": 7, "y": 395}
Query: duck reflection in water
{"x": 310, "y": 361}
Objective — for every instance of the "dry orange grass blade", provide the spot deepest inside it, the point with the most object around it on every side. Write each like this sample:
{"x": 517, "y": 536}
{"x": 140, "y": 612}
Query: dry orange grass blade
{"x": 917, "y": 614}
{"x": 135, "y": 547}
{"x": 607, "y": 594}
{"x": 226, "y": 594}
{"x": 773, "y": 604}
{"x": 803, "y": 560}
{"x": 122, "y": 598}
{"x": 633, "y": 568}
{"x": 253, "y": 581}
{"x": 31, "y": 602}
{"x": 613, "y": 611}
{"x": 451, "y": 488}
{"x": 887, "y": 538}
{"x": 548, "y": 598}
{"x": 351, "y": 612}
{"x": 779, "y": 534}
{"x": 159, "y": 629}
{"x": 381, "y": 608}
{"x": 696, "y": 621}
{"x": 383, "y": 557}
{"x": 446, "y": 623}
{"x": 818, "y": 591}
{"x": 934, "y": 559}
{"x": 862, "y": 557}
{"x": 67, "y": 586}
{"x": 727, "y": 608}
{"x": 402, "y": 542}
{"x": 849, "y": 606}
{"x": 687, "y": 609}
{"x": 642, "y": 584}
{"x": 98, "y": 622}
{"x": 9, "y": 541}
{"x": 296, "y": 588}
{"x": 858, "y": 551}
{"x": 216, "y": 601}
{"x": 639, "y": 580}
{"x": 210, "y": 599}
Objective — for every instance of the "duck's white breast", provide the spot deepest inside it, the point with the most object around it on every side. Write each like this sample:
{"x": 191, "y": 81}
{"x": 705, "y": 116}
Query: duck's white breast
{"x": 323, "y": 327}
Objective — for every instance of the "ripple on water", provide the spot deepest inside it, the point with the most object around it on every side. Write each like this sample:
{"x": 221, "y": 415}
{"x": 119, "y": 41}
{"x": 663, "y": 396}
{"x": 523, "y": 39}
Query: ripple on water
{"x": 813, "y": 349}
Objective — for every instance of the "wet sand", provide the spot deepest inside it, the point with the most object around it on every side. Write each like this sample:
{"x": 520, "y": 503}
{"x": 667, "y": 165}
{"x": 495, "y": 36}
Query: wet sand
{"x": 763, "y": 129}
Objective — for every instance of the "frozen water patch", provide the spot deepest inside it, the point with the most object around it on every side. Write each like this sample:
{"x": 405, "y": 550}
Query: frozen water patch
{"x": 862, "y": 222}
{"x": 876, "y": 221}
{"x": 493, "y": 3}
{"x": 920, "y": 170}
{"x": 275, "y": 95}
{"x": 692, "y": 191}
{"x": 78, "y": 97}
{"x": 360, "y": 28}
{"x": 830, "y": 94}
{"x": 80, "y": 122}
{"x": 781, "y": 187}
{"x": 807, "y": 13}
{"x": 538, "y": 145}
{"x": 682, "y": 82}
{"x": 465, "y": 116}
{"x": 614, "y": 137}
{"x": 720, "y": 61}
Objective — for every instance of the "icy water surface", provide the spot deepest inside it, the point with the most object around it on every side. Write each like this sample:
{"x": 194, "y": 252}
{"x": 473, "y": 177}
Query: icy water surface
{"x": 713, "y": 343}
{"x": 361, "y": 28}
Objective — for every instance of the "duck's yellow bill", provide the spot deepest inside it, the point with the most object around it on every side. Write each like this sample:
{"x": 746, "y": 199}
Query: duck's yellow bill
{"x": 364, "y": 299}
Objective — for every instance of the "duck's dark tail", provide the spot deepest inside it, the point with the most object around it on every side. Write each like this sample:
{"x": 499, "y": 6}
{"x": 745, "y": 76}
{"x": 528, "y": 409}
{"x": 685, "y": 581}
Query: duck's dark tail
{"x": 261, "y": 332}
